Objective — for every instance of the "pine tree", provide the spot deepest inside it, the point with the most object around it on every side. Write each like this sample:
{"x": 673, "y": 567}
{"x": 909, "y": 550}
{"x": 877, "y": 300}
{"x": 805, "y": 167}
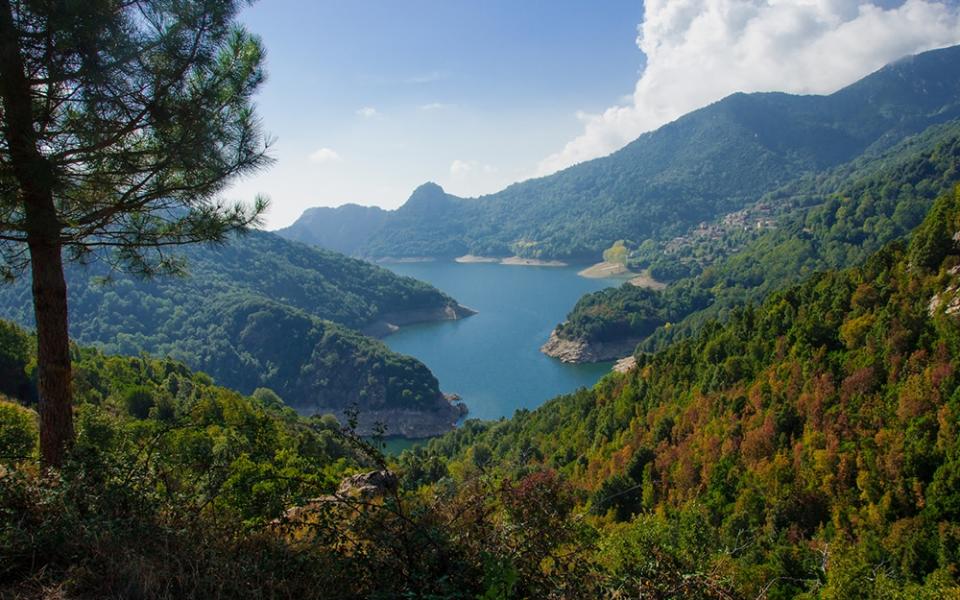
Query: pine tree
{"x": 122, "y": 121}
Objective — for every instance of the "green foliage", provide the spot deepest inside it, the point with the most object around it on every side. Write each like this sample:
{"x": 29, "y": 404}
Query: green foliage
{"x": 138, "y": 401}
{"x": 500, "y": 579}
{"x": 18, "y": 432}
{"x": 616, "y": 254}
{"x": 658, "y": 557}
{"x": 628, "y": 312}
{"x": 16, "y": 348}
{"x": 145, "y": 495}
{"x": 230, "y": 496}
{"x": 621, "y": 494}
{"x": 267, "y": 397}
{"x": 933, "y": 240}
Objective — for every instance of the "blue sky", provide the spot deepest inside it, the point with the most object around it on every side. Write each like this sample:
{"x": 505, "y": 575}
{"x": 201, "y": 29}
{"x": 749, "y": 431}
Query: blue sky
{"x": 495, "y": 85}
{"x": 369, "y": 98}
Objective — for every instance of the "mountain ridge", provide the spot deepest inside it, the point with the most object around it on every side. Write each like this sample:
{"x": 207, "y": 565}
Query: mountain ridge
{"x": 713, "y": 160}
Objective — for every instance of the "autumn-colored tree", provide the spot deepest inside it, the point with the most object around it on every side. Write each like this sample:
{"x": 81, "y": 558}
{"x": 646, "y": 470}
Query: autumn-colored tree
{"x": 616, "y": 254}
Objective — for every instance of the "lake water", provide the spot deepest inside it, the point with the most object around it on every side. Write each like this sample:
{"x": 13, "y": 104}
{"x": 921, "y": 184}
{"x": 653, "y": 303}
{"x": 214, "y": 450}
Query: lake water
{"x": 493, "y": 359}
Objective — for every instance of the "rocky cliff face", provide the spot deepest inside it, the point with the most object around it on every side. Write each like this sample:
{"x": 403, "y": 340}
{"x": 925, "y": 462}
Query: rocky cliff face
{"x": 625, "y": 365}
{"x": 580, "y": 351}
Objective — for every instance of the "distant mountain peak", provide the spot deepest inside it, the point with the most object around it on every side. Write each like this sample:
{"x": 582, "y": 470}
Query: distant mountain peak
{"x": 428, "y": 189}
{"x": 429, "y": 197}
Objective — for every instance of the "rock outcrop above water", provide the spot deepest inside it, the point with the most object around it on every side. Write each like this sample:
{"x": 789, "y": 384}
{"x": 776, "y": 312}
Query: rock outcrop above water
{"x": 391, "y": 322}
{"x": 605, "y": 270}
{"x": 581, "y": 351}
{"x": 519, "y": 261}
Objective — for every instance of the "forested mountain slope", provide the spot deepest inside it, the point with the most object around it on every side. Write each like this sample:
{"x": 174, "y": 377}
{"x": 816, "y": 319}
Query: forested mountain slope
{"x": 833, "y": 220}
{"x": 806, "y": 448}
{"x": 710, "y": 162}
{"x": 262, "y": 311}
{"x": 345, "y": 228}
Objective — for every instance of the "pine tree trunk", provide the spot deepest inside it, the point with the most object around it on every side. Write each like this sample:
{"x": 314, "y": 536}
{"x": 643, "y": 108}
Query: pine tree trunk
{"x": 43, "y": 228}
{"x": 53, "y": 352}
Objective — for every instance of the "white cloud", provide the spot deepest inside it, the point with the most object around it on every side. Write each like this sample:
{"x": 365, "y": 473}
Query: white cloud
{"x": 324, "y": 155}
{"x": 462, "y": 168}
{"x": 459, "y": 167}
{"x": 368, "y": 112}
{"x": 699, "y": 51}
{"x": 435, "y": 106}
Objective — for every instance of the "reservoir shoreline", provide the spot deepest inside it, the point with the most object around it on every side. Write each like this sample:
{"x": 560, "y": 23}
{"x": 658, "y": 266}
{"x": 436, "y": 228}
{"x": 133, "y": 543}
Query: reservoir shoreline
{"x": 606, "y": 270}
{"x": 492, "y": 359}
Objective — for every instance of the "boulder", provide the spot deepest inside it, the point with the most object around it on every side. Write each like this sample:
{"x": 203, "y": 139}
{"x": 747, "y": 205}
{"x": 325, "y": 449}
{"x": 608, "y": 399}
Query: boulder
{"x": 374, "y": 484}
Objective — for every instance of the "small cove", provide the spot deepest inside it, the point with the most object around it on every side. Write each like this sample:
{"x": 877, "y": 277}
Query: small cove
{"x": 492, "y": 359}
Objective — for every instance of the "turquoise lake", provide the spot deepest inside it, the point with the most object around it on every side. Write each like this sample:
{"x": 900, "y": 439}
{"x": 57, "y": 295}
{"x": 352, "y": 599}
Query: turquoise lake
{"x": 492, "y": 359}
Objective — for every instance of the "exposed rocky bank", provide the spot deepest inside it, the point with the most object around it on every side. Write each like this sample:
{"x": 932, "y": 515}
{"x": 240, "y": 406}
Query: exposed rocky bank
{"x": 581, "y": 351}
{"x": 390, "y": 322}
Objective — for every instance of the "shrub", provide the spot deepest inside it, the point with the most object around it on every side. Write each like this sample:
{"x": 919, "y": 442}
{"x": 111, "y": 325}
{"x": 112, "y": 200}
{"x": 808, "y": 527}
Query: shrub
{"x": 18, "y": 432}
